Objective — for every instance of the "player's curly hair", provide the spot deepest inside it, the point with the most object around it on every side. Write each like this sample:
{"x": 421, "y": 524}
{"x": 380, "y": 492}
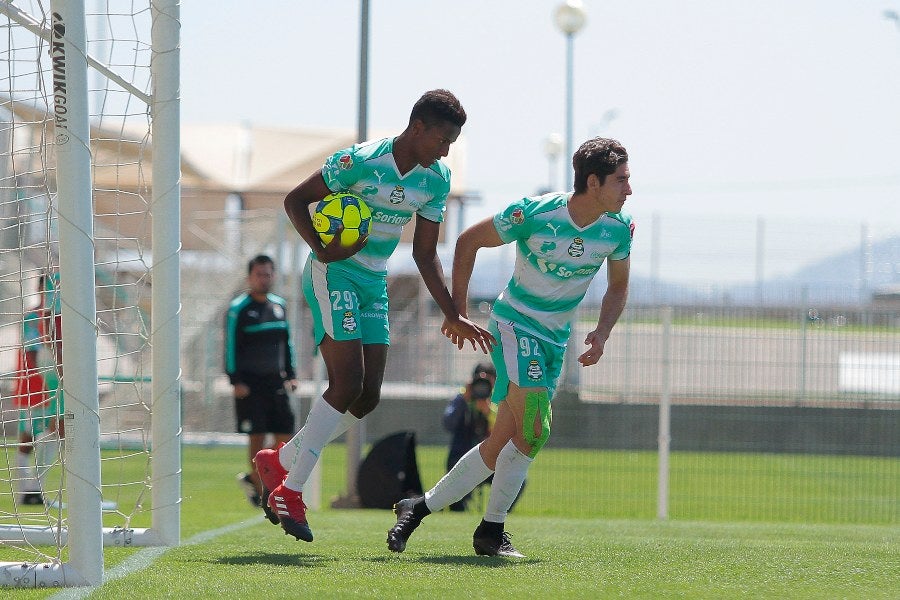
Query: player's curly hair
{"x": 438, "y": 106}
{"x": 598, "y": 156}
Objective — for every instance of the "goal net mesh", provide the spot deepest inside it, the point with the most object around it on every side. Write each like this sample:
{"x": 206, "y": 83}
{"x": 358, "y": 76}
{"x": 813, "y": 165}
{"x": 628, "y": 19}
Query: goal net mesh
{"x": 32, "y": 479}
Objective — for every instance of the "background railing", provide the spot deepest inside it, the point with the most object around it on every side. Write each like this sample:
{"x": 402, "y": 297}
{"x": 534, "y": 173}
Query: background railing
{"x": 784, "y": 410}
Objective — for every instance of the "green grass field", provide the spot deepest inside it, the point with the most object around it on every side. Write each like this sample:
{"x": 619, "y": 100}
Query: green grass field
{"x": 623, "y": 553}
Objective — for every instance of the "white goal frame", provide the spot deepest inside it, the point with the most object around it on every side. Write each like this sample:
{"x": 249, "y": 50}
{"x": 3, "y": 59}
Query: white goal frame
{"x": 84, "y": 534}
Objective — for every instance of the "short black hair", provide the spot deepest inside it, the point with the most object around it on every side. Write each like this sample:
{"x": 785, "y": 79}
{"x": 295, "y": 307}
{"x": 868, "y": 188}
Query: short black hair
{"x": 437, "y": 106}
{"x": 598, "y": 156}
{"x": 259, "y": 259}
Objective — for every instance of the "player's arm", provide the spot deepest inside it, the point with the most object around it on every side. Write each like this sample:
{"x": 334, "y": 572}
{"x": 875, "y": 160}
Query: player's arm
{"x": 480, "y": 235}
{"x": 289, "y": 362}
{"x": 610, "y": 309}
{"x": 454, "y": 413}
{"x": 429, "y": 265}
{"x": 296, "y": 205}
{"x": 232, "y": 341}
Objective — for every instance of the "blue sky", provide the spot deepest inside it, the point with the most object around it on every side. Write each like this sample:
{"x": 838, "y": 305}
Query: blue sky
{"x": 730, "y": 110}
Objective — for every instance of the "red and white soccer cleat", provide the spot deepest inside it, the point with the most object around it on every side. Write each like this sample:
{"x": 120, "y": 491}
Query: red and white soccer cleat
{"x": 291, "y": 511}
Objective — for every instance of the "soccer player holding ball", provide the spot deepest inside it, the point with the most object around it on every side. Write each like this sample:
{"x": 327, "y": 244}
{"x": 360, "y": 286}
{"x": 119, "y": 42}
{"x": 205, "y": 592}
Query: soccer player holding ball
{"x": 562, "y": 240}
{"x": 399, "y": 179}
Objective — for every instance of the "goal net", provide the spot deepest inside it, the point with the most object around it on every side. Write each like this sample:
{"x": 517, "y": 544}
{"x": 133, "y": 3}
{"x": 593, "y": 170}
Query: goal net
{"x": 89, "y": 285}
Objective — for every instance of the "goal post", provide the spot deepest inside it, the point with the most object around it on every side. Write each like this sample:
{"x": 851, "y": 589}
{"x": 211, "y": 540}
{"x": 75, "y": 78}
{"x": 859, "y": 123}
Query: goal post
{"x": 71, "y": 129}
{"x": 71, "y": 185}
{"x": 166, "y": 271}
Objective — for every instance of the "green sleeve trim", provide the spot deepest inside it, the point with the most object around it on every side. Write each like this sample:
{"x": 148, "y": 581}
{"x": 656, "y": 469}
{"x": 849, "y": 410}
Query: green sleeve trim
{"x": 231, "y": 321}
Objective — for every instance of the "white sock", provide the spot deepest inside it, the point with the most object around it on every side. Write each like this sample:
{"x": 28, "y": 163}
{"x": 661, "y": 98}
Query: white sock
{"x": 23, "y": 460}
{"x": 47, "y": 447}
{"x": 320, "y": 424}
{"x": 288, "y": 452}
{"x": 512, "y": 467}
{"x": 26, "y": 478}
{"x": 465, "y": 475}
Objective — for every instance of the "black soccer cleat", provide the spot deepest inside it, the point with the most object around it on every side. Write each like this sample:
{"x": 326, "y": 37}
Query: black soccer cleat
{"x": 32, "y": 498}
{"x": 489, "y": 539}
{"x": 300, "y": 531}
{"x": 407, "y": 521}
{"x": 249, "y": 488}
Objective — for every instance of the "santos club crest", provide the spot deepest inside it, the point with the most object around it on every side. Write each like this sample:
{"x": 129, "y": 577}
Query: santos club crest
{"x": 576, "y": 248}
{"x": 349, "y": 322}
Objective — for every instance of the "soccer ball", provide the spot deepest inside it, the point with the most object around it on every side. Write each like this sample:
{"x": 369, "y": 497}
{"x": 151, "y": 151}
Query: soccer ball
{"x": 342, "y": 208}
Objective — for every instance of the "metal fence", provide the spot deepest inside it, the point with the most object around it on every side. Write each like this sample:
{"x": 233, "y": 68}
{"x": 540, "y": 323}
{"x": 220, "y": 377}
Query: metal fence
{"x": 785, "y": 410}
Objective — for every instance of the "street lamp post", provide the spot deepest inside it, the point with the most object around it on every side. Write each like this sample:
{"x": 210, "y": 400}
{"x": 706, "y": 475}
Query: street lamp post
{"x": 891, "y": 15}
{"x": 552, "y": 148}
{"x": 570, "y": 17}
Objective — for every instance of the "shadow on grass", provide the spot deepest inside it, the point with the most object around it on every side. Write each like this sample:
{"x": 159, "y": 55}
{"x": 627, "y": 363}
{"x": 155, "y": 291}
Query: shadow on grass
{"x": 494, "y": 562}
{"x": 270, "y": 558}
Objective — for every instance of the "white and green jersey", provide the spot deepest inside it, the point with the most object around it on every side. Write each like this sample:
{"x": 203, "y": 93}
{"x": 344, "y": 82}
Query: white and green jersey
{"x": 369, "y": 171}
{"x": 555, "y": 262}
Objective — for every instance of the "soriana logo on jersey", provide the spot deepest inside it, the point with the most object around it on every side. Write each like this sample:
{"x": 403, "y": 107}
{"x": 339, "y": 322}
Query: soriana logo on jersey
{"x": 346, "y": 162}
{"x": 517, "y": 217}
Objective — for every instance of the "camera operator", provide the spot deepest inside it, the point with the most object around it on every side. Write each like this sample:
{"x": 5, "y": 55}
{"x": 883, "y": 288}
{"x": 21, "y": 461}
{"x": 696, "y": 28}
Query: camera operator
{"x": 468, "y": 417}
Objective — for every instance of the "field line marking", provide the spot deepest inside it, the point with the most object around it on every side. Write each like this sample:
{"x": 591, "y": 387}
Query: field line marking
{"x": 146, "y": 557}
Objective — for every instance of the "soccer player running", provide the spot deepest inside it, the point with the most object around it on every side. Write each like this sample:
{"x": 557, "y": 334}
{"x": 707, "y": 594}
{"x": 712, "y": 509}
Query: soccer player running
{"x": 30, "y": 396}
{"x": 346, "y": 287}
{"x": 562, "y": 240}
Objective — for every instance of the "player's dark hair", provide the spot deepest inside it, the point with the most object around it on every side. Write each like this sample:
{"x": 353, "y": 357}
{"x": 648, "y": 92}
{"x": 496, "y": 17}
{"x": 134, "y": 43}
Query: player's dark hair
{"x": 438, "y": 106}
{"x": 484, "y": 369}
{"x": 259, "y": 259}
{"x": 598, "y": 156}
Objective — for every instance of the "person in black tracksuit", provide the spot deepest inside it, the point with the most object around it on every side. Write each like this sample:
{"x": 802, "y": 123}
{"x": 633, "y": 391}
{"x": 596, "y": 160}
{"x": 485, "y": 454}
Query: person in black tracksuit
{"x": 259, "y": 361}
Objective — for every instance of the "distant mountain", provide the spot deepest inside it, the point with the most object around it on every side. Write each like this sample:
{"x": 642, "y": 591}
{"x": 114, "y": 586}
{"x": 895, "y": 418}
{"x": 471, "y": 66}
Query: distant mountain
{"x": 846, "y": 268}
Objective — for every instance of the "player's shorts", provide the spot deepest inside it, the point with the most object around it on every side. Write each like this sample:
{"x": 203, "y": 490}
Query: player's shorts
{"x": 346, "y": 304}
{"x": 524, "y": 359}
{"x": 29, "y": 390}
{"x": 266, "y": 409}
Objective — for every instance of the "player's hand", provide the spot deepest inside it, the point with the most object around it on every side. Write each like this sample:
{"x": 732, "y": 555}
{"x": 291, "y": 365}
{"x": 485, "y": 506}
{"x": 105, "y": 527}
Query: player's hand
{"x": 292, "y": 385}
{"x": 462, "y": 329}
{"x": 334, "y": 250}
{"x": 596, "y": 343}
{"x": 241, "y": 390}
